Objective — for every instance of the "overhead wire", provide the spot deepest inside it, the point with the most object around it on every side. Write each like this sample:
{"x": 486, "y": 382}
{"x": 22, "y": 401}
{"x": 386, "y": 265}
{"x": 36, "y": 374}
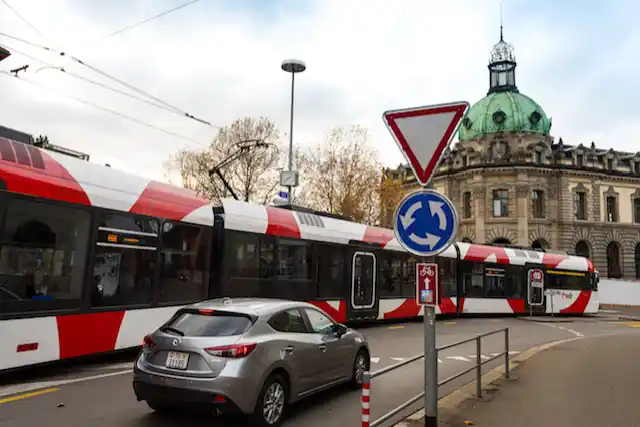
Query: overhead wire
{"x": 159, "y": 15}
{"x": 24, "y": 20}
{"x": 105, "y": 109}
{"x": 96, "y": 70}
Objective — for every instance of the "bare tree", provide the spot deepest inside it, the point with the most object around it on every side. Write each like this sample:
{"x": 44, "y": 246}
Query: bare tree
{"x": 253, "y": 176}
{"x": 342, "y": 175}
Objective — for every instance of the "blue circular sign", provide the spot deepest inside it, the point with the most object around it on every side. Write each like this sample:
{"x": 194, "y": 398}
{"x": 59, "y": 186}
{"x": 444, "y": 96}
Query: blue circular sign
{"x": 425, "y": 222}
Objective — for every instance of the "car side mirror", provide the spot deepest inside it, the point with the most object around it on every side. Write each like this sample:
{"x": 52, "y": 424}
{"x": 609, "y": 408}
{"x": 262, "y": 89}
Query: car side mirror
{"x": 339, "y": 329}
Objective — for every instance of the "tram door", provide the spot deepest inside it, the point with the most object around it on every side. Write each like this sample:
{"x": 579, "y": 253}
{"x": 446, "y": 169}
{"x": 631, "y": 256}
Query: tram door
{"x": 362, "y": 303}
{"x": 535, "y": 298}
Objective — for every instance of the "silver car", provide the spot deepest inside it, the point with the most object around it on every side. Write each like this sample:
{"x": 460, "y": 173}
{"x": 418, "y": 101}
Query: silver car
{"x": 247, "y": 355}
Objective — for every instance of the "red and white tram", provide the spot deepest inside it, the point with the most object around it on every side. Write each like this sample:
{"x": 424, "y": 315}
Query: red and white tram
{"x": 92, "y": 259}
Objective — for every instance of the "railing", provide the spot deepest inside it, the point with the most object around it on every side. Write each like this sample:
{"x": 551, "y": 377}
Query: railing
{"x": 367, "y": 377}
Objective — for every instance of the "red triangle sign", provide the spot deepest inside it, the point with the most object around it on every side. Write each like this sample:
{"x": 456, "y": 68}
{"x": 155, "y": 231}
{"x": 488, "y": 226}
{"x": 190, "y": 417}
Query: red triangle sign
{"x": 423, "y": 133}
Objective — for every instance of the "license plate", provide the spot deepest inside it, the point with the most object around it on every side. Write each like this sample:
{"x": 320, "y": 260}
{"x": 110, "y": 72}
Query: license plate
{"x": 177, "y": 360}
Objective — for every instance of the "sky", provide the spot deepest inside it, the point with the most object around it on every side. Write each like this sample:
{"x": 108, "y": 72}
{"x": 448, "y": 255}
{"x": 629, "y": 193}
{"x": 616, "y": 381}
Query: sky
{"x": 219, "y": 60}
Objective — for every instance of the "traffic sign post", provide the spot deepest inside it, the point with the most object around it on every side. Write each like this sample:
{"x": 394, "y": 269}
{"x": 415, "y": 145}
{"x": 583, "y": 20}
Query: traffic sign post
{"x": 535, "y": 288}
{"x": 425, "y": 222}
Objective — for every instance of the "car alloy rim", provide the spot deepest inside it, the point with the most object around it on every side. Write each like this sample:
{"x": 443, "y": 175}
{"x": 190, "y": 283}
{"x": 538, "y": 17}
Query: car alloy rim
{"x": 361, "y": 366}
{"x": 273, "y": 403}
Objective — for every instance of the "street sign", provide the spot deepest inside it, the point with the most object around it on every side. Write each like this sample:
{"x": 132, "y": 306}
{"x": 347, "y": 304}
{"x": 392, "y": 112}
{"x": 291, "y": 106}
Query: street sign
{"x": 427, "y": 284}
{"x": 535, "y": 286}
{"x": 425, "y": 223}
{"x": 423, "y": 133}
{"x": 283, "y": 195}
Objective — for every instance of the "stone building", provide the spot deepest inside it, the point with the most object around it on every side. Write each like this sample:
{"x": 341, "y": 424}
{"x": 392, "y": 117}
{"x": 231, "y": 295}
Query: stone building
{"x": 512, "y": 183}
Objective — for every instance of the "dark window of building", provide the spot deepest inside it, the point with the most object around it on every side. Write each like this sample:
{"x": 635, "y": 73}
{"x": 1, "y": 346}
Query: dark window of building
{"x": 537, "y": 203}
{"x": 290, "y": 321}
{"x": 184, "y": 257}
{"x": 466, "y": 204}
{"x": 636, "y": 167}
{"x": 614, "y": 268}
{"x": 538, "y": 156}
{"x": 612, "y": 211}
{"x": 582, "y": 249}
{"x": 580, "y": 205}
{"x": 580, "y": 160}
{"x": 610, "y": 163}
{"x": 125, "y": 260}
{"x": 636, "y": 210}
{"x": 331, "y": 271}
{"x": 500, "y": 203}
{"x": 43, "y": 256}
{"x": 636, "y": 258}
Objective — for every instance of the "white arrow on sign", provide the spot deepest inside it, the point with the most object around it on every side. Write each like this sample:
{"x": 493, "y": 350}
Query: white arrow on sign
{"x": 407, "y": 219}
{"x": 436, "y": 207}
{"x": 423, "y": 133}
{"x": 430, "y": 240}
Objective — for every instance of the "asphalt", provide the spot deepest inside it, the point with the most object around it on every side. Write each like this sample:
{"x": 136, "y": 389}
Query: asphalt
{"x": 589, "y": 381}
{"x": 100, "y": 394}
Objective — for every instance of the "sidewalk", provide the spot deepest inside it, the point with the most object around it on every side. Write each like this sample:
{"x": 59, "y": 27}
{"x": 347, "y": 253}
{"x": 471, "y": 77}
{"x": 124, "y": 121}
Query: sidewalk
{"x": 588, "y": 382}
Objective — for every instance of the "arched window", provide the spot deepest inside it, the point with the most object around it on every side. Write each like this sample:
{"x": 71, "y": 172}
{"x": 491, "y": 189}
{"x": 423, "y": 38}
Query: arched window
{"x": 467, "y": 240}
{"x": 540, "y": 244}
{"x": 614, "y": 268}
{"x": 501, "y": 241}
{"x": 582, "y": 249}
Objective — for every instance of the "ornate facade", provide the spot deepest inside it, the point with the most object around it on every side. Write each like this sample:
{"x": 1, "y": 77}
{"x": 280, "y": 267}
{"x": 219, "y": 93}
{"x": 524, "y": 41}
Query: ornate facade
{"x": 512, "y": 183}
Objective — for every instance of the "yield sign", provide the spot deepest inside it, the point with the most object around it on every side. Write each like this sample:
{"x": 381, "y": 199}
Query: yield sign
{"x": 423, "y": 133}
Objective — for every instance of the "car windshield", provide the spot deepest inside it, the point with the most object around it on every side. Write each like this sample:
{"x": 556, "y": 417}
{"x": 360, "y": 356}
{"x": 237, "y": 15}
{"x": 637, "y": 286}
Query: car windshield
{"x": 210, "y": 325}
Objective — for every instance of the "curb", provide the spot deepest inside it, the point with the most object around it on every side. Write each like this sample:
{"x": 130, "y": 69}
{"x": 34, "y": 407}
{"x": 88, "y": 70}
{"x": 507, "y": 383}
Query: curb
{"x": 467, "y": 391}
{"x": 631, "y": 318}
{"x": 605, "y": 306}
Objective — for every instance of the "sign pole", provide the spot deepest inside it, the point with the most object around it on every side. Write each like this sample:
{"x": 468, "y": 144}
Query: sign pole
{"x": 430, "y": 368}
{"x": 426, "y": 222}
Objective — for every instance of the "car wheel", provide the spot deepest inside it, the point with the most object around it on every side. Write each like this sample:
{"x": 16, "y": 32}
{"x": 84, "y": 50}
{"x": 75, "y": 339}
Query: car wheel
{"x": 271, "y": 404}
{"x": 361, "y": 364}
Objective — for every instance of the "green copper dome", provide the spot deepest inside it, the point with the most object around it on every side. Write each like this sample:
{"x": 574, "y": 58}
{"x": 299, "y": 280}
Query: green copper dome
{"x": 504, "y": 112}
{"x": 504, "y": 109}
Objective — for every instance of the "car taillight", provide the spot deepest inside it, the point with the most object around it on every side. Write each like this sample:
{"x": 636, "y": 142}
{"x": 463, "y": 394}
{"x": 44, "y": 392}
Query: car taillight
{"x": 232, "y": 351}
{"x": 147, "y": 342}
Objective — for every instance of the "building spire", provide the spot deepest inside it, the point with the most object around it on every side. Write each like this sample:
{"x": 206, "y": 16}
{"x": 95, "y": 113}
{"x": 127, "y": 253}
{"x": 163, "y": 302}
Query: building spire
{"x": 501, "y": 37}
{"x": 502, "y": 64}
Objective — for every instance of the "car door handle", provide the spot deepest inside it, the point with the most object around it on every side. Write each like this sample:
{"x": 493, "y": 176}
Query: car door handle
{"x": 289, "y": 349}
{"x": 322, "y": 347}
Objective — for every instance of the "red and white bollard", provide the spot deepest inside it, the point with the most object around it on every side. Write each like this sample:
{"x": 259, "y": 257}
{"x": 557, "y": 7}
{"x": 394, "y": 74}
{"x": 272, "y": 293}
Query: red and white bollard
{"x": 366, "y": 398}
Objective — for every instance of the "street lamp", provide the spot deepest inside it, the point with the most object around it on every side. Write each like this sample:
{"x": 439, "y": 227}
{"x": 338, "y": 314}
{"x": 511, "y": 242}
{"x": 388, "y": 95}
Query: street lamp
{"x": 290, "y": 178}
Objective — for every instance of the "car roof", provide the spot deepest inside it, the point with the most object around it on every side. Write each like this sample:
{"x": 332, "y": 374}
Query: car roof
{"x": 251, "y": 306}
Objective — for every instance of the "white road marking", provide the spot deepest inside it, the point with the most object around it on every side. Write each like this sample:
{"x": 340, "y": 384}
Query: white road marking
{"x": 576, "y": 333}
{"x": 24, "y": 388}
{"x": 375, "y": 359}
{"x": 461, "y": 358}
{"x": 440, "y": 361}
{"x": 609, "y": 311}
{"x": 398, "y": 359}
{"x": 482, "y": 356}
{"x": 571, "y": 331}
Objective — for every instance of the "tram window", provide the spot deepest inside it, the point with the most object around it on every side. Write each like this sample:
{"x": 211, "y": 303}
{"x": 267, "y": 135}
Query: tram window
{"x": 184, "y": 262}
{"x": 294, "y": 259}
{"x": 244, "y": 255}
{"x": 473, "y": 279}
{"x": 567, "y": 280}
{"x": 389, "y": 284}
{"x": 125, "y": 261}
{"x": 331, "y": 280}
{"x": 43, "y": 255}
{"x": 409, "y": 276}
{"x": 495, "y": 282}
{"x": 448, "y": 277}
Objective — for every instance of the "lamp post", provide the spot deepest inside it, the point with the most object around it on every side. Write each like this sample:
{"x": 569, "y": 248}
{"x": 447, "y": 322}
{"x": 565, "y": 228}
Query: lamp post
{"x": 289, "y": 178}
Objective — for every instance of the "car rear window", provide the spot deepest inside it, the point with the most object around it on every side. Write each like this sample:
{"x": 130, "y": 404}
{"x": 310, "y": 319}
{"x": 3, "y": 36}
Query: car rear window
{"x": 210, "y": 325}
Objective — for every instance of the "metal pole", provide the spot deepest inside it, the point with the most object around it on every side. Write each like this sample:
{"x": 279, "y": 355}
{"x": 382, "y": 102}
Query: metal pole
{"x": 506, "y": 353}
{"x": 430, "y": 369}
{"x": 478, "y": 367}
{"x": 366, "y": 398}
{"x": 551, "y": 299}
{"x": 290, "y": 188}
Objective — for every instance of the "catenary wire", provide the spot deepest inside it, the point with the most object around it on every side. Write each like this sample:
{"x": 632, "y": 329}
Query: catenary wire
{"x": 23, "y": 19}
{"x": 86, "y": 79}
{"x": 91, "y": 67}
{"x": 159, "y": 15}
{"x": 108, "y": 110}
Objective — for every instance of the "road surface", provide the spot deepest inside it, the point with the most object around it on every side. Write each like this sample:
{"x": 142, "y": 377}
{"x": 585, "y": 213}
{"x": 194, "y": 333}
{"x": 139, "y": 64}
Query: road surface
{"x": 101, "y": 395}
{"x": 587, "y": 382}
